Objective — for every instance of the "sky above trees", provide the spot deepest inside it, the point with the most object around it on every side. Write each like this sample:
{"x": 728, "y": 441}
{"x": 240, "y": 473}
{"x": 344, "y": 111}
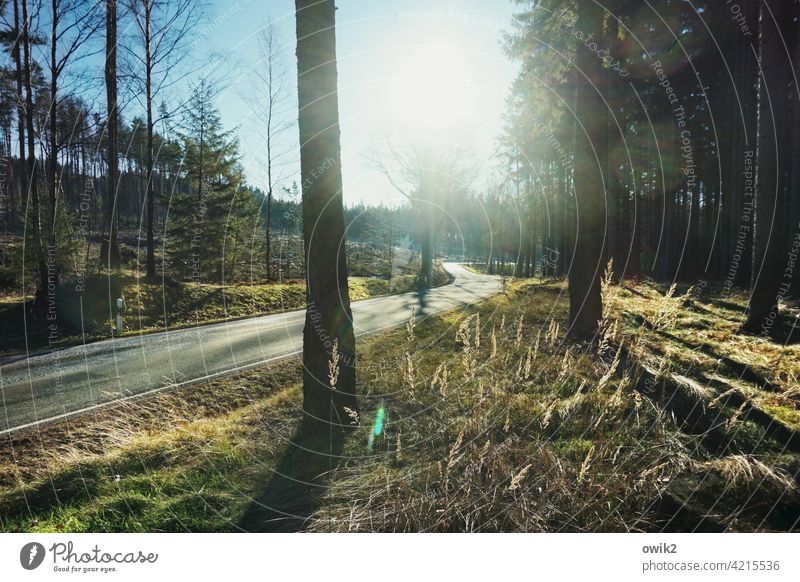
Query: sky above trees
{"x": 408, "y": 74}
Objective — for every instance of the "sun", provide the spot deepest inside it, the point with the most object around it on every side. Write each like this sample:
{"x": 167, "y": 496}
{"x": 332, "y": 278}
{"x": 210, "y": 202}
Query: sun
{"x": 433, "y": 91}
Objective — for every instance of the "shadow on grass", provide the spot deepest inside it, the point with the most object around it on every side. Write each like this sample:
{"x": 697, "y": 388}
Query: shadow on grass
{"x": 783, "y": 331}
{"x": 740, "y": 309}
{"x": 740, "y": 370}
{"x": 299, "y": 481}
{"x": 27, "y": 505}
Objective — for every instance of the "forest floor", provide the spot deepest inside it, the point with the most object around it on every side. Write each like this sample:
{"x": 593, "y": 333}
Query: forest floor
{"x": 487, "y": 419}
{"x": 163, "y": 305}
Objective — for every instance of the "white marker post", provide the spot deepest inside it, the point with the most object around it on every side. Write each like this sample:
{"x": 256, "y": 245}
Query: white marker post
{"x": 120, "y": 310}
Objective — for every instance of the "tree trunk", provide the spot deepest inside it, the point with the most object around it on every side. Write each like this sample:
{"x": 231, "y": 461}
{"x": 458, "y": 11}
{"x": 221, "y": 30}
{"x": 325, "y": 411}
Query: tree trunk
{"x": 586, "y": 269}
{"x": 773, "y": 132}
{"x": 268, "y": 237}
{"x": 33, "y": 186}
{"x": 201, "y": 145}
{"x": 109, "y": 252}
{"x": 614, "y": 239}
{"x": 270, "y": 186}
{"x": 149, "y": 190}
{"x": 794, "y": 192}
{"x": 22, "y": 178}
{"x": 329, "y": 322}
{"x": 54, "y": 147}
{"x": 426, "y": 259}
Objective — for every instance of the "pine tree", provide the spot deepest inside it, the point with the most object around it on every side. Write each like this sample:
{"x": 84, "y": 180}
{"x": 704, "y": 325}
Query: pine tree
{"x": 206, "y": 223}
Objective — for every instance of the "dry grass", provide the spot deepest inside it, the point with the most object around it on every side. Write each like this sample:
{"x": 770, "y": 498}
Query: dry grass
{"x": 493, "y": 422}
{"x": 747, "y": 470}
{"x": 528, "y": 435}
{"x": 532, "y": 434}
{"x": 696, "y": 335}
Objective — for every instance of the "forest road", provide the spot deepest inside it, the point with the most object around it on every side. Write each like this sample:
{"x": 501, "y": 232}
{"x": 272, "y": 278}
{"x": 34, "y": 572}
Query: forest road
{"x": 77, "y": 380}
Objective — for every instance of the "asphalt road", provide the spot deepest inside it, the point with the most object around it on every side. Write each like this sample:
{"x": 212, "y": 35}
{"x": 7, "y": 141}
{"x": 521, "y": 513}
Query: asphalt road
{"x": 49, "y": 386}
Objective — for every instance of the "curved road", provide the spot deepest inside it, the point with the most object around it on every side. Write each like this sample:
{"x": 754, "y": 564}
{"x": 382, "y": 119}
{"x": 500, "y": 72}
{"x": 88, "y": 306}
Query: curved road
{"x": 54, "y": 385}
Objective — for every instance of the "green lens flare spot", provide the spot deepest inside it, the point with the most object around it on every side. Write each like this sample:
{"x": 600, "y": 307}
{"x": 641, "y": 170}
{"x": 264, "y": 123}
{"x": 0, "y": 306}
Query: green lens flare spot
{"x": 378, "y": 427}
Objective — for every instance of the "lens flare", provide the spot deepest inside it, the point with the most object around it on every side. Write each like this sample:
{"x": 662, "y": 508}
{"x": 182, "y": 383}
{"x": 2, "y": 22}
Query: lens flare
{"x": 377, "y": 427}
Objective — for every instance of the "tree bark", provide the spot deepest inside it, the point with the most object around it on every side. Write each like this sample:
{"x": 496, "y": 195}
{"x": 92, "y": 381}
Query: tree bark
{"x": 426, "y": 258}
{"x": 54, "y": 146}
{"x": 771, "y": 174}
{"x": 22, "y": 178}
{"x": 328, "y": 317}
{"x": 586, "y": 269}
{"x": 33, "y": 186}
{"x": 109, "y": 252}
{"x": 149, "y": 189}
{"x": 267, "y": 235}
{"x": 270, "y": 108}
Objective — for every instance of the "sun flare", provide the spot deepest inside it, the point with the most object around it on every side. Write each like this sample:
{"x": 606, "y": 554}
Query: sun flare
{"x": 433, "y": 90}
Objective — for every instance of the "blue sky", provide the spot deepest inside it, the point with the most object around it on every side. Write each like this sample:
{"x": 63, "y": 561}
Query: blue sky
{"x": 408, "y": 70}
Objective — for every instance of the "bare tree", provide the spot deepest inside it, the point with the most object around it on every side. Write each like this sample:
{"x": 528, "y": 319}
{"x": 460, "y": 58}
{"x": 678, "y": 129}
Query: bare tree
{"x": 163, "y": 32}
{"x": 427, "y": 175}
{"x": 72, "y": 24}
{"x": 269, "y": 103}
{"x": 329, "y": 372}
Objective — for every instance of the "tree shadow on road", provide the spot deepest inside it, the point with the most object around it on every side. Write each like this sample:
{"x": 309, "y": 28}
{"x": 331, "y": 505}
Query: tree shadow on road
{"x": 422, "y": 300}
{"x": 299, "y": 481}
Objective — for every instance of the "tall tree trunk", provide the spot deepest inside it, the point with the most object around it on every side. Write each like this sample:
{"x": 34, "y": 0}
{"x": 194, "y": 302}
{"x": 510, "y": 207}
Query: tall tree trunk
{"x": 54, "y": 147}
{"x": 329, "y": 321}
{"x": 794, "y": 194}
{"x": 771, "y": 172}
{"x": 741, "y": 151}
{"x": 109, "y": 252}
{"x": 268, "y": 234}
{"x": 270, "y": 186}
{"x": 426, "y": 258}
{"x": 614, "y": 237}
{"x": 201, "y": 145}
{"x": 586, "y": 269}
{"x": 149, "y": 188}
{"x": 22, "y": 178}
{"x": 33, "y": 186}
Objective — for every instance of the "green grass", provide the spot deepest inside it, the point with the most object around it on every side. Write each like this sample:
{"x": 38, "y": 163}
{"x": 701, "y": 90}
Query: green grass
{"x": 528, "y": 433}
{"x": 154, "y": 306}
{"x": 193, "y": 472}
{"x": 194, "y": 479}
{"x": 471, "y": 269}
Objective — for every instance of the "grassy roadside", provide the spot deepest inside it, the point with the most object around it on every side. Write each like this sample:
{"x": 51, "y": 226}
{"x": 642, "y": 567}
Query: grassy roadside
{"x": 493, "y": 423}
{"x": 168, "y": 305}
